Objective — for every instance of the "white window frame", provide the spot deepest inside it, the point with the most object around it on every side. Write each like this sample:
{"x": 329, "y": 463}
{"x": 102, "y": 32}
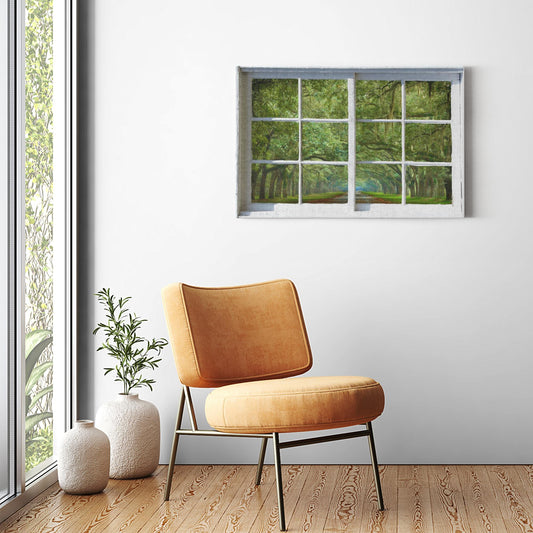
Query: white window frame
{"x": 247, "y": 209}
{"x": 22, "y": 486}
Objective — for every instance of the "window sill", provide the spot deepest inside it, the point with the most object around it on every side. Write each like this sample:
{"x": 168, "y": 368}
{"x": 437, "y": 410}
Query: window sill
{"x": 37, "y": 486}
{"x": 345, "y": 211}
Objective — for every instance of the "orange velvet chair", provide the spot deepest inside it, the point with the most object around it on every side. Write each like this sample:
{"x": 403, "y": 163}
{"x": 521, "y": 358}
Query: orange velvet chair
{"x": 247, "y": 343}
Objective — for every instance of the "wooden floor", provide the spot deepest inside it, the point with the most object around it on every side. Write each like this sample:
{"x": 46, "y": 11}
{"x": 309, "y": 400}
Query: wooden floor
{"x": 215, "y": 499}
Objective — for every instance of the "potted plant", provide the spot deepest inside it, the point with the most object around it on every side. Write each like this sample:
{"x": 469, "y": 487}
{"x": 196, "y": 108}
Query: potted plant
{"x": 131, "y": 424}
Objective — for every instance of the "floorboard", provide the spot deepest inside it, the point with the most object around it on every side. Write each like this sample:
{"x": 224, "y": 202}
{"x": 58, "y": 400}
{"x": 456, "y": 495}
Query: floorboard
{"x": 318, "y": 498}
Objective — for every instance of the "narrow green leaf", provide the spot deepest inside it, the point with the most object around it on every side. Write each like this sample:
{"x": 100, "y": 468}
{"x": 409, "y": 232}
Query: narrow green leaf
{"x": 33, "y": 420}
{"x": 36, "y": 374}
{"x": 36, "y": 342}
{"x": 39, "y": 395}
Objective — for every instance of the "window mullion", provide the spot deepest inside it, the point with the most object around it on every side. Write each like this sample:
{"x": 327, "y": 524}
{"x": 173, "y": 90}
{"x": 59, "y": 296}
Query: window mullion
{"x": 404, "y": 192}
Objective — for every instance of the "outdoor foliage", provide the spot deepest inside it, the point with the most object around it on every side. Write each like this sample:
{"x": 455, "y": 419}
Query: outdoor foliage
{"x": 324, "y": 183}
{"x": 40, "y": 448}
{"x": 132, "y": 352}
{"x": 37, "y": 342}
{"x": 378, "y": 142}
{"x": 381, "y": 141}
{"x": 38, "y": 229}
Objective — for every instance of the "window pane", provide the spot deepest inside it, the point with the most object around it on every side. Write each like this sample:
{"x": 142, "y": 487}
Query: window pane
{"x": 430, "y": 100}
{"x": 325, "y": 184}
{"x": 275, "y": 98}
{"x": 378, "y": 99}
{"x": 378, "y": 184}
{"x": 428, "y": 185}
{"x": 325, "y": 98}
{"x": 428, "y": 142}
{"x": 379, "y": 141}
{"x": 275, "y": 183}
{"x": 325, "y": 141}
{"x": 39, "y": 185}
{"x": 275, "y": 140}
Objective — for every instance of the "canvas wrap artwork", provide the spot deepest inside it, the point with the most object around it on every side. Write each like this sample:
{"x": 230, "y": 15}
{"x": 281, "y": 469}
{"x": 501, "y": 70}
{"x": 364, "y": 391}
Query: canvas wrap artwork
{"x": 354, "y": 144}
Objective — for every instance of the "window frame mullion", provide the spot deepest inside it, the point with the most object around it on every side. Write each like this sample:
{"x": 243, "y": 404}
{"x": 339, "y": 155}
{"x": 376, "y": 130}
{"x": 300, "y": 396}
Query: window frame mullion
{"x": 18, "y": 243}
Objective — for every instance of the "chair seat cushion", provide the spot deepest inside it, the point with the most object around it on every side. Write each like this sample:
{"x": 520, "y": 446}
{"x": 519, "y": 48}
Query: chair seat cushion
{"x": 294, "y": 404}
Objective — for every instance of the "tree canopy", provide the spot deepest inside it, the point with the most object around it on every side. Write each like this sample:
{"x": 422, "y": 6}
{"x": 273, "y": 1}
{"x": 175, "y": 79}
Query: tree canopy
{"x": 378, "y": 141}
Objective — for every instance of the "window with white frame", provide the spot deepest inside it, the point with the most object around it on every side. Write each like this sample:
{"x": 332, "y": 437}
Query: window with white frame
{"x": 350, "y": 143}
{"x": 37, "y": 201}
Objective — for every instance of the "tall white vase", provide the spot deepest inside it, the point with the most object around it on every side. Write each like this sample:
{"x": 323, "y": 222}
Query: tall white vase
{"x": 83, "y": 459}
{"x": 132, "y": 426}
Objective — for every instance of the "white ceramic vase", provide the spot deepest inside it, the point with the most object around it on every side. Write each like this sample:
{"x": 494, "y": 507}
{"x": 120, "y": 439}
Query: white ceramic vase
{"x": 83, "y": 459}
{"x": 132, "y": 426}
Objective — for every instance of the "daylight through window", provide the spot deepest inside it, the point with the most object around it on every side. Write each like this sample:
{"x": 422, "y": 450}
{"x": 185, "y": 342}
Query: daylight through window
{"x": 350, "y": 143}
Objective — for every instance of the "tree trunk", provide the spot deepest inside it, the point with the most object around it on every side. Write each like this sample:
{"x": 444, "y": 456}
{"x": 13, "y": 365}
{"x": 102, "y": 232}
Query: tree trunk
{"x": 279, "y": 185}
{"x": 262, "y": 184}
{"x": 271, "y": 187}
{"x": 448, "y": 187}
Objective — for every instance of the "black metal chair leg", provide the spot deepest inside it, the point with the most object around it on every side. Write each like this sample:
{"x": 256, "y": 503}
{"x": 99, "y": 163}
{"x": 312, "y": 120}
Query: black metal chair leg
{"x": 279, "y": 481}
{"x": 375, "y": 466}
{"x": 261, "y": 461}
{"x": 174, "y": 446}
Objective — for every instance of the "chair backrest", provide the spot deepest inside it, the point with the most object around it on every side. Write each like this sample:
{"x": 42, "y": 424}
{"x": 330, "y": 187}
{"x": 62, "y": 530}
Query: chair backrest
{"x": 228, "y": 335}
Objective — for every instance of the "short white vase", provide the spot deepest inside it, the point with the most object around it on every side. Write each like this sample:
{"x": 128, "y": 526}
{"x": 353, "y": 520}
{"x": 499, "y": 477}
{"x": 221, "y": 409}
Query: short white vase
{"x": 132, "y": 426}
{"x": 83, "y": 459}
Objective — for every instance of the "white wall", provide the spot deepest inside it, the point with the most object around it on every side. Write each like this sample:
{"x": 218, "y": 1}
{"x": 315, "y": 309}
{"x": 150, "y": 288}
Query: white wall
{"x": 439, "y": 311}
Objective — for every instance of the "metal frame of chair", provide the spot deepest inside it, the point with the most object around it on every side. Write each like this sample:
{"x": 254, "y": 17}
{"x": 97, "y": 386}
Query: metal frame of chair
{"x": 277, "y": 445}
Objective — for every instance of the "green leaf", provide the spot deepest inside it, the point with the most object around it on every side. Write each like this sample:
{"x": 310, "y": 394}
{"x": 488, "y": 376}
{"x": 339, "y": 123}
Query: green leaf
{"x": 37, "y": 373}
{"x": 123, "y": 343}
{"x": 33, "y": 420}
{"x": 39, "y": 395}
{"x": 36, "y": 342}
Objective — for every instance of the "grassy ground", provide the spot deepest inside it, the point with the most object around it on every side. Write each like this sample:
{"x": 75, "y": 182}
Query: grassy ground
{"x": 397, "y": 199}
{"x": 277, "y": 200}
{"x": 341, "y": 197}
{"x": 326, "y": 197}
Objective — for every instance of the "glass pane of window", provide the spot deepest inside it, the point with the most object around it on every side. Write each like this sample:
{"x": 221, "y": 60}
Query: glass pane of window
{"x": 428, "y": 185}
{"x": 378, "y": 184}
{"x": 325, "y": 141}
{"x": 379, "y": 141}
{"x": 325, "y": 98}
{"x": 428, "y": 142}
{"x": 39, "y": 185}
{"x": 325, "y": 184}
{"x": 275, "y": 140}
{"x": 275, "y": 183}
{"x": 429, "y": 100}
{"x": 275, "y": 98}
{"x": 378, "y": 99}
